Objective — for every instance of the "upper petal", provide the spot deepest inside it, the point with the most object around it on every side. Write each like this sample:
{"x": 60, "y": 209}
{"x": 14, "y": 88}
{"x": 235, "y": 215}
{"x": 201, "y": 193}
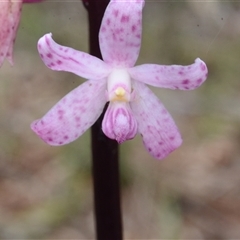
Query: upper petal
{"x": 62, "y": 58}
{"x": 120, "y": 32}
{"x": 10, "y": 12}
{"x": 73, "y": 114}
{"x": 159, "y": 132}
{"x": 173, "y": 76}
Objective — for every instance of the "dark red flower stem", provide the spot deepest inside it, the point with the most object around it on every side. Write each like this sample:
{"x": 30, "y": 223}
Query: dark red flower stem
{"x": 107, "y": 204}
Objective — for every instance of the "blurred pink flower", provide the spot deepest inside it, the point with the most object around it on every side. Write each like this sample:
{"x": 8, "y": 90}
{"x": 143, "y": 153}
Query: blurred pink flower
{"x": 10, "y": 13}
{"x": 133, "y": 108}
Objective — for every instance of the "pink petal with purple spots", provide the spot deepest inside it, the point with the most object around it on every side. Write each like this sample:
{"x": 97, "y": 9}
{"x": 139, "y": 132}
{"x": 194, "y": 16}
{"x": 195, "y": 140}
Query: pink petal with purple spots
{"x": 73, "y": 114}
{"x": 10, "y": 13}
{"x": 173, "y": 77}
{"x": 61, "y": 58}
{"x": 120, "y": 32}
{"x": 119, "y": 122}
{"x": 159, "y": 132}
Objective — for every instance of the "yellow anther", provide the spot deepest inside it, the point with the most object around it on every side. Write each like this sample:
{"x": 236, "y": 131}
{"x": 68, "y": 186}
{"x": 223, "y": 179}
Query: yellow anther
{"x": 120, "y": 92}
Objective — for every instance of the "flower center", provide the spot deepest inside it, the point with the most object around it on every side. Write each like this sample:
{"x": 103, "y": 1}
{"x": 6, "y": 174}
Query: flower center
{"x": 119, "y": 86}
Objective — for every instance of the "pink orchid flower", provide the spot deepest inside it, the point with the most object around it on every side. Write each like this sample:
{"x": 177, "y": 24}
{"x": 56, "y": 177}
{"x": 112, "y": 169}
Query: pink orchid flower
{"x": 10, "y": 13}
{"x": 133, "y": 108}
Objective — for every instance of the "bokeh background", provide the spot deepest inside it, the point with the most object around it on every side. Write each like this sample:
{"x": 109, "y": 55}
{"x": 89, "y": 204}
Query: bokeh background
{"x": 46, "y": 192}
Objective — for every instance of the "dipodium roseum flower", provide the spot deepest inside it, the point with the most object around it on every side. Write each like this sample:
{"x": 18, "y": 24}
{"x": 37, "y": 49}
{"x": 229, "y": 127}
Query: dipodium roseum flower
{"x": 10, "y": 13}
{"x": 133, "y": 108}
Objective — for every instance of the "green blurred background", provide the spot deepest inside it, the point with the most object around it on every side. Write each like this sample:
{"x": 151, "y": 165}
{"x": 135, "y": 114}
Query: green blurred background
{"x": 46, "y": 192}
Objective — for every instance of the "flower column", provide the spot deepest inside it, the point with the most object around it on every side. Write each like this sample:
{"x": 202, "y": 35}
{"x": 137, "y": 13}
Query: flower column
{"x": 104, "y": 152}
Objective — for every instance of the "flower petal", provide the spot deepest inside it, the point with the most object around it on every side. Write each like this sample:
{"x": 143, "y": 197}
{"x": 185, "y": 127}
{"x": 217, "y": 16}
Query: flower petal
{"x": 10, "y": 12}
{"x": 72, "y": 115}
{"x": 155, "y": 124}
{"x": 119, "y": 122}
{"x": 173, "y": 77}
{"x": 120, "y": 32}
{"x": 61, "y": 58}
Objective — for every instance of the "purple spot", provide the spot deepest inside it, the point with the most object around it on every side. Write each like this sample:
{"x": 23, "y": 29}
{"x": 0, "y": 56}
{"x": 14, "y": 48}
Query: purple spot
{"x": 115, "y": 13}
{"x": 160, "y": 143}
{"x": 42, "y": 122}
{"x": 114, "y": 36}
{"x": 203, "y": 67}
{"x": 186, "y": 81}
{"x": 172, "y": 138}
{"x": 108, "y": 21}
{"x": 149, "y": 149}
{"x": 103, "y": 29}
{"x": 199, "y": 81}
{"x": 39, "y": 46}
{"x": 180, "y": 73}
{"x": 77, "y": 119}
{"x": 133, "y": 28}
{"x": 124, "y": 19}
{"x": 47, "y": 41}
{"x": 50, "y": 139}
{"x": 61, "y": 112}
{"x": 60, "y": 143}
{"x": 41, "y": 55}
{"x": 159, "y": 155}
{"x": 49, "y": 55}
{"x": 66, "y": 137}
{"x": 164, "y": 111}
{"x": 59, "y": 62}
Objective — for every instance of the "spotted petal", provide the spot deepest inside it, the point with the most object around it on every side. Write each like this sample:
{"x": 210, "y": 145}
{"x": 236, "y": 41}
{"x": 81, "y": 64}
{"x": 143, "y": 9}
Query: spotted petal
{"x": 61, "y": 58}
{"x": 72, "y": 115}
{"x": 159, "y": 132}
{"x": 120, "y": 32}
{"x": 10, "y": 12}
{"x": 173, "y": 77}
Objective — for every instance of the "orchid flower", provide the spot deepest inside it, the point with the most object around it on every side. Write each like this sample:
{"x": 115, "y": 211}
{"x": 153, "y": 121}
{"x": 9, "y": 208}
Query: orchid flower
{"x": 10, "y": 13}
{"x": 133, "y": 108}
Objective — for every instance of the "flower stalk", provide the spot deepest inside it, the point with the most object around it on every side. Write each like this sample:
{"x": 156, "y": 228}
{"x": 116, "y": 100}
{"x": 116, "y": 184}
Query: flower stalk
{"x": 105, "y": 155}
